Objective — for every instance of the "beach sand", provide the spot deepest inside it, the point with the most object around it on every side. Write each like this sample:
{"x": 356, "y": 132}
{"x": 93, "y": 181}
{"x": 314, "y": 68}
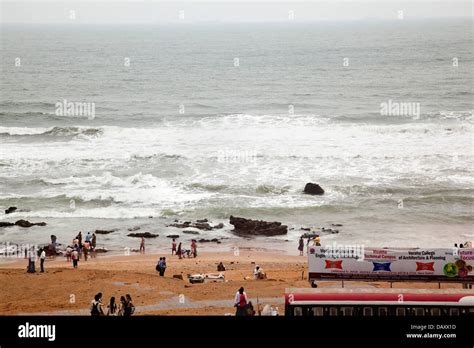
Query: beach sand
{"x": 63, "y": 290}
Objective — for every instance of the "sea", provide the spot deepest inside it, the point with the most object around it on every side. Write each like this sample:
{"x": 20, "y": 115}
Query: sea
{"x": 136, "y": 126}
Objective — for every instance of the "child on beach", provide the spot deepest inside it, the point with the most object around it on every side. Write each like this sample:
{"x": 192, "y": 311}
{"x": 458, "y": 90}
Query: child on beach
{"x": 173, "y": 246}
{"x": 75, "y": 258}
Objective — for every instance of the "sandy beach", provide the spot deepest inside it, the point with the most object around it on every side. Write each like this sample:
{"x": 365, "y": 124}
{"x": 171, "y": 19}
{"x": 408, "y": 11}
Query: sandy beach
{"x": 62, "y": 290}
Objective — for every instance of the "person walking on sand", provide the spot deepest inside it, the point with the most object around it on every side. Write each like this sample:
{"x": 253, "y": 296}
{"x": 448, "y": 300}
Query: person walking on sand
{"x": 158, "y": 265}
{"x": 179, "y": 252}
{"x": 301, "y": 246}
{"x": 163, "y": 267}
{"x": 75, "y": 258}
{"x": 142, "y": 246}
{"x": 173, "y": 247}
{"x": 112, "y": 309}
{"x": 42, "y": 258}
{"x": 240, "y": 302}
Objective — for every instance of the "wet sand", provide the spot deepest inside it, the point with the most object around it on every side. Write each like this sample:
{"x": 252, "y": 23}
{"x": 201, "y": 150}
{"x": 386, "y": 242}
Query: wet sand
{"x": 63, "y": 290}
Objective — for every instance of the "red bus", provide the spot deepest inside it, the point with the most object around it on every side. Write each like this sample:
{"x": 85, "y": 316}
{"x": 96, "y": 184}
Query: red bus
{"x": 378, "y": 302}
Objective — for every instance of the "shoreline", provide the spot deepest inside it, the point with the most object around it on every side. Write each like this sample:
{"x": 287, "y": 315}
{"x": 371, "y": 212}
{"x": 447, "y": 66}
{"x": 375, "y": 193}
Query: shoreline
{"x": 153, "y": 295}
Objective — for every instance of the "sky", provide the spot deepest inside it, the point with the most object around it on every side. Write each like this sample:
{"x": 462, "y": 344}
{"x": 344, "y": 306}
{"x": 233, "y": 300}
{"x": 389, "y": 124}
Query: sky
{"x": 162, "y": 12}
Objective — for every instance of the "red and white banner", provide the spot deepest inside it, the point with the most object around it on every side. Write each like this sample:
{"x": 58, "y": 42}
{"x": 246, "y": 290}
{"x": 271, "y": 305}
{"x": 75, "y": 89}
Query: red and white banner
{"x": 391, "y": 264}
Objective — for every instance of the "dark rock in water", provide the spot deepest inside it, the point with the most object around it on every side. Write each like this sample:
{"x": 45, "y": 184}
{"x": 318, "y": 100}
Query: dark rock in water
{"x": 143, "y": 234}
{"x": 172, "y": 236}
{"x": 257, "y": 227}
{"x": 26, "y": 223}
{"x": 136, "y": 228}
{"x": 330, "y": 230}
{"x": 309, "y": 235}
{"x": 305, "y": 229}
{"x": 336, "y": 225}
{"x": 202, "y": 220}
{"x": 6, "y": 224}
{"x": 10, "y": 210}
{"x": 104, "y": 231}
{"x": 191, "y": 232}
{"x": 313, "y": 189}
{"x": 214, "y": 240}
{"x": 199, "y": 225}
{"x": 202, "y": 226}
{"x": 218, "y": 226}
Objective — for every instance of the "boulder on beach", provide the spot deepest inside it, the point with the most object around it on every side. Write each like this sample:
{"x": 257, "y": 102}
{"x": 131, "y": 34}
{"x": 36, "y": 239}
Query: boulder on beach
{"x": 26, "y": 223}
{"x": 10, "y": 210}
{"x": 143, "y": 234}
{"x": 313, "y": 189}
{"x": 257, "y": 227}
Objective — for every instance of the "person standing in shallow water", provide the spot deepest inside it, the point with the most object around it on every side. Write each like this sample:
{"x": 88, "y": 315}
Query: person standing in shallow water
{"x": 173, "y": 246}
{"x": 179, "y": 252}
{"x": 301, "y": 246}
{"x": 142, "y": 246}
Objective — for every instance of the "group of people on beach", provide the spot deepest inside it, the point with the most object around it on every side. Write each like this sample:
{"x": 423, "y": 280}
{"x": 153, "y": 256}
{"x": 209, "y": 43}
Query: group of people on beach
{"x": 124, "y": 308}
{"x": 32, "y": 256}
{"x": 316, "y": 242}
{"x": 465, "y": 245}
{"x": 181, "y": 252}
{"x": 78, "y": 249}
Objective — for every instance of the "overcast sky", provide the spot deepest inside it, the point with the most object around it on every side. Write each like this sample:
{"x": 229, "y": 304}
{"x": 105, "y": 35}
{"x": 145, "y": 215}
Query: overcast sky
{"x": 136, "y": 11}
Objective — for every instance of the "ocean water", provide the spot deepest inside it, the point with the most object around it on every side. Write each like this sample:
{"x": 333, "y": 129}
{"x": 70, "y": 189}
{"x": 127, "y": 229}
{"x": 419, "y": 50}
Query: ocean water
{"x": 213, "y": 120}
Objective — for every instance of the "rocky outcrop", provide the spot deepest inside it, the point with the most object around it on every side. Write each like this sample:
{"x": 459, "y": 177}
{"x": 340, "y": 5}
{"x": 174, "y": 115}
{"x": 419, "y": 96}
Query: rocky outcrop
{"x": 191, "y": 232}
{"x": 104, "y": 231}
{"x": 172, "y": 236}
{"x": 257, "y": 227}
{"x": 313, "y": 189}
{"x": 22, "y": 223}
{"x": 199, "y": 224}
{"x": 143, "y": 234}
{"x": 214, "y": 240}
{"x": 10, "y": 210}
